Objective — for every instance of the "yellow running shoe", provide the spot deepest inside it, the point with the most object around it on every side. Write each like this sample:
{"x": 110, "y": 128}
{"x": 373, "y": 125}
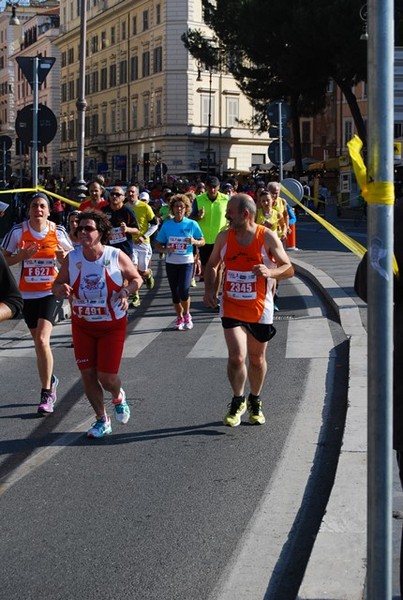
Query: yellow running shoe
{"x": 236, "y": 409}
{"x": 256, "y": 417}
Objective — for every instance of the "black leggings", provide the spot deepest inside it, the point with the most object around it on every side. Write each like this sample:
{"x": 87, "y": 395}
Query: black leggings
{"x": 179, "y": 278}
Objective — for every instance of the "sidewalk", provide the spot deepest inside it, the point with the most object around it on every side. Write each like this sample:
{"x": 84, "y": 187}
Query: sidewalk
{"x": 337, "y": 567}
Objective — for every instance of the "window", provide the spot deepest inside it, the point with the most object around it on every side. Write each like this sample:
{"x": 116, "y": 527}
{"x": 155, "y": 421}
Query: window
{"x": 145, "y": 20}
{"x": 87, "y": 85}
{"x": 157, "y": 66}
{"x": 94, "y": 124}
{"x": 112, "y": 76}
{"x": 123, "y": 118}
{"x": 205, "y": 109}
{"x": 113, "y": 35}
{"x": 94, "y": 82}
{"x": 104, "y": 78}
{"x": 158, "y": 14}
{"x": 134, "y": 115}
{"x": 146, "y": 63}
{"x": 113, "y": 118}
{"x": 94, "y": 44}
{"x": 64, "y": 59}
{"x": 63, "y": 133}
{"x": 158, "y": 111}
{"x": 103, "y": 40}
{"x": 64, "y": 92}
{"x": 134, "y": 68}
{"x": 146, "y": 112}
{"x": 70, "y": 56}
{"x": 104, "y": 120}
{"x": 232, "y": 112}
{"x": 134, "y": 26}
{"x": 398, "y": 130}
{"x": 71, "y": 130}
{"x": 123, "y": 72}
{"x": 123, "y": 32}
{"x": 348, "y": 131}
{"x": 71, "y": 90}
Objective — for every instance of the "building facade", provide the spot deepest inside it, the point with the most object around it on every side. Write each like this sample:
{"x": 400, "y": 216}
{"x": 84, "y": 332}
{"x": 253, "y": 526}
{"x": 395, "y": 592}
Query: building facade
{"x": 151, "y": 110}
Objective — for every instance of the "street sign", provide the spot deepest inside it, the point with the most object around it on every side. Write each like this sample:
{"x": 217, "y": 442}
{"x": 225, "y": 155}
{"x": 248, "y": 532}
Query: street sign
{"x": 47, "y": 124}
{"x": 26, "y": 64}
{"x": 273, "y": 112}
{"x": 274, "y": 152}
{"x": 295, "y": 187}
{"x": 6, "y": 142}
{"x": 274, "y": 132}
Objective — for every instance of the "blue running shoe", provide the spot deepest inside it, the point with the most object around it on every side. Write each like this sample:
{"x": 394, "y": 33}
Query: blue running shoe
{"x": 100, "y": 428}
{"x": 121, "y": 408}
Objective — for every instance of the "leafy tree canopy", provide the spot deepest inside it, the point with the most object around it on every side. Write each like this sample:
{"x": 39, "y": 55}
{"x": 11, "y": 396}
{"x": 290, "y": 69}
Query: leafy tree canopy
{"x": 289, "y": 50}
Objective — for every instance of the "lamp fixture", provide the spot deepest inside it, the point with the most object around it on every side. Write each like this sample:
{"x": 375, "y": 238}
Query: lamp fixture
{"x": 14, "y": 20}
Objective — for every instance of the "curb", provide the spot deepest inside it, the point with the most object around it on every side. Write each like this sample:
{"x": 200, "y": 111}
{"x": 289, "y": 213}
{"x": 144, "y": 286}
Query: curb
{"x": 337, "y": 566}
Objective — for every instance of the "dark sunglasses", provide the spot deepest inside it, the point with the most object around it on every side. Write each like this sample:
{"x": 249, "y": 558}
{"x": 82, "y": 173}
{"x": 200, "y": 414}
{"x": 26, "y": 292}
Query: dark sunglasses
{"x": 86, "y": 228}
{"x": 116, "y": 194}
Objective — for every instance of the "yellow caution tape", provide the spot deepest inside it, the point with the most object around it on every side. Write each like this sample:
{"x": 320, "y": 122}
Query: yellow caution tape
{"x": 347, "y": 241}
{"x": 374, "y": 192}
{"x": 41, "y": 189}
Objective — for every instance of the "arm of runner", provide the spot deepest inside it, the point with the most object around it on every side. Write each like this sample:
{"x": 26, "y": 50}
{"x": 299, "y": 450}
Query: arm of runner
{"x": 283, "y": 268}
{"x": 211, "y": 270}
{"x": 61, "y": 286}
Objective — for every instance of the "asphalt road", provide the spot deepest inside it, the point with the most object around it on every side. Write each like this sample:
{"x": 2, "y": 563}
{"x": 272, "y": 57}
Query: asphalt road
{"x": 164, "y": 508}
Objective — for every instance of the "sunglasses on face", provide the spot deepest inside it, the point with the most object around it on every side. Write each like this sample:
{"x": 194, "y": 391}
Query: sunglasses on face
{"x": 116, "y": 194}
{"x": 86, "y": 228}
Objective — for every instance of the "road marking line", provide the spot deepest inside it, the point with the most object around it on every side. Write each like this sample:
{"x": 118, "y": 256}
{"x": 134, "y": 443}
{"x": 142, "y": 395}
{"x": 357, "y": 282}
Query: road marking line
{"x": 211, "y": 344}
{"x": 254, "y": 561}
{"x": 310, "y": 338}
{"x": 42, "y": 456}
{"x": 145, "y": 332}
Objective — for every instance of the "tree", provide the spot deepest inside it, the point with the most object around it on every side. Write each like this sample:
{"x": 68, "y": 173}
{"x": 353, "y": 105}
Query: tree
{"x": 289, "y": 50}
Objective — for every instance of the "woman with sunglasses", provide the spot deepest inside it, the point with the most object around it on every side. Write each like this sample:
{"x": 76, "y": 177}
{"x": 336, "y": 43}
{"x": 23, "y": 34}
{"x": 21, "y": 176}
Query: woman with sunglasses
{"x": 98, "y": 280}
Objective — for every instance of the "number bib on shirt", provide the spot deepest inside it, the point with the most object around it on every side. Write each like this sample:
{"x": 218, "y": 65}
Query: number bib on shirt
{"x": 179, "y": 244}
{"x": 117, "y": 236}
{"x": 39, "y": 270}
{"x": 240, "y": 285}
{"x": 92, "y": 310}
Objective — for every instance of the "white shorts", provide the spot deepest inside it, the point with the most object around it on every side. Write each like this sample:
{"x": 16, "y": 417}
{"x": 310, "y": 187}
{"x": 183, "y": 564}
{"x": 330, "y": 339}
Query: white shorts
{"x": 141, "y": 256}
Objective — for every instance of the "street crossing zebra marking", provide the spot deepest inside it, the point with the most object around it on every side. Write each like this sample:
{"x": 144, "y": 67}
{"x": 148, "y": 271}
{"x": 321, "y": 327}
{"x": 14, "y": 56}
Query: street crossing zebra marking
{"x": 145, "y": 332}
{"x": 211, "y": 344}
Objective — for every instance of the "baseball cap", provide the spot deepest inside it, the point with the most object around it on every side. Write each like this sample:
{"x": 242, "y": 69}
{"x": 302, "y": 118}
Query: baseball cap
{"x": 213, "y": 181}
{"x": 227, "y": 186}
{"x": 144, "y": 196}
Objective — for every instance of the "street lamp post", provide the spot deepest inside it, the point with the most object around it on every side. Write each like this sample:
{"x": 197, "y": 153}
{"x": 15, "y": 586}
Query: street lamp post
{"x": 80, "y": 187}
{"x": 199, "y": 78}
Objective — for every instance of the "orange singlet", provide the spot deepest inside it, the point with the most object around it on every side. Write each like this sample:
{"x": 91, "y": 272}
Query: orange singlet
{"x": 247, "y": 297}
{"x": 39, "y": 272}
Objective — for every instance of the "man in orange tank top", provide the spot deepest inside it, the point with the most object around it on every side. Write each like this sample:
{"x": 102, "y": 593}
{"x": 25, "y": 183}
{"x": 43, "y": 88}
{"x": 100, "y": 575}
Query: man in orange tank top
{"x": 254, "y": 258}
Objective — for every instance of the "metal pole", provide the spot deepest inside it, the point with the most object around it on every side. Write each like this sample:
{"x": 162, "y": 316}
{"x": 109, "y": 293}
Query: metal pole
{"x": 81, "y": 104}
{"x": 35, "y": 110}
{"x": 280, "y": 133}
{"x": 209, "y": 122}
{"x": 380, "y": 301}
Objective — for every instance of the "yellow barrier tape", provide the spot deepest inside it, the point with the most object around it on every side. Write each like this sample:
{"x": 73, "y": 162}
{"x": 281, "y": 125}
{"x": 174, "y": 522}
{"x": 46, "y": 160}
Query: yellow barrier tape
{"x": 41, "y": 189}
{"x": 350, "y": 243}
{"x": 346, "y": 240}
{"x": 374, "y": 192}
